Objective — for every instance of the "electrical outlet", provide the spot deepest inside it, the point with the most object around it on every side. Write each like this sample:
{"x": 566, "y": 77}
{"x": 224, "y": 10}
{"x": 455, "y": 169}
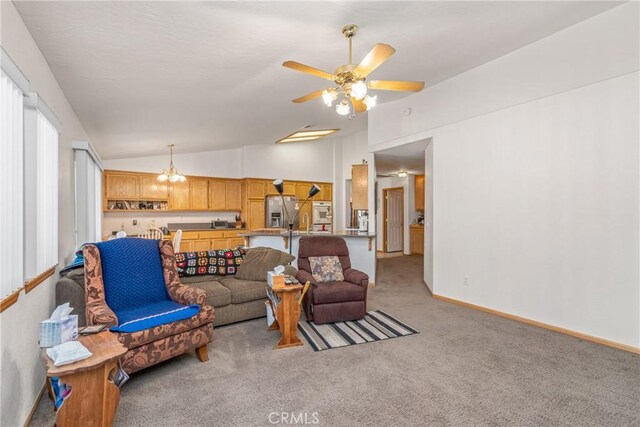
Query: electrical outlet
{"x": 135, "y": 222}
{"x": 466, "y": 280}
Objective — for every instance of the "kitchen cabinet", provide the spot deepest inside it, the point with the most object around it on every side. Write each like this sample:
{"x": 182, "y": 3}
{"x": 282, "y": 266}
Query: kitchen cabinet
{"x": 416, "y": 239}
{"x": 179, "y": 195}
{"x": 255, "y": 213}
{"x": 217, "y": 194}
{"x": 325, "y": 193}
{"x": 122, "y": 186}
{"x": 419, "y": 193}
{"x": 233, "y": 193}
{"x": 186, "y": 245}
{"x": 198, "y": 193}
{"x": 257, "y": 189}
{"x": 201, "y": 245}
{"x": 360, "y": 187}
{"x": 152, "y": 189}
{"x": 289, "y": 189}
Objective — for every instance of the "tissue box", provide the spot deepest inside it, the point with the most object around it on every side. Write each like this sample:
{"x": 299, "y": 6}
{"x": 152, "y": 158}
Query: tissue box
{"x": 56, "y": 332}
{"x": 274, "y": 280}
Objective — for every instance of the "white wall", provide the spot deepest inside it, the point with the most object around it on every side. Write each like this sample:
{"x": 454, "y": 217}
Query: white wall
{"x": 536, "y": 178}
{"x": 21, "y": 371}
{"x": 428, "y": 216}
{"x": 303, "y": 161}
{"x": 224, "y": 163}
{"x": 349, "y": 151}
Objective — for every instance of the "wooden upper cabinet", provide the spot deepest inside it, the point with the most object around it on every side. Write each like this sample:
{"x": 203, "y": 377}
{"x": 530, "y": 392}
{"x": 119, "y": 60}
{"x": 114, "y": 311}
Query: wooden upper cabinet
{"x": 305, "y": 215}
{"x": 302, "y": 190}
{"x": 121, "y": 186}
{"x": 255, "y": 214}
{"x": 257, "y": 189}
{"x": 217, "y": 194}
{"x": 289, "y": 188}
{"x": 326, "y": 193}
{"x": 233, "y": 192}
{"x": 419, "y": 193}
{"x": 360, "y": 187}
{"x": 179, "y": 195}
{"x": 199, "y": 193}
{"x": 152, "y": 189}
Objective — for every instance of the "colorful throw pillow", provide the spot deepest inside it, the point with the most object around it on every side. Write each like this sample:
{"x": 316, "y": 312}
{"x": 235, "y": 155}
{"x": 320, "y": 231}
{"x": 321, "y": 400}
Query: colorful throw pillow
{"x": 222, "y": 262}
{"x": 326, "y": 269}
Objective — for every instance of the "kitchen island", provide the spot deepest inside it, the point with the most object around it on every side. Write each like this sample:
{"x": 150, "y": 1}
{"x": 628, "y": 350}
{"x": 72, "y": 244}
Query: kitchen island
{"x": 361, "y": 246}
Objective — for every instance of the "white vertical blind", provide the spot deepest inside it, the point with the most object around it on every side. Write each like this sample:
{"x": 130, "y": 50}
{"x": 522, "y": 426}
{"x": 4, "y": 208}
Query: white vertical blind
{"x": 47, "y": 194}
{"x": 88, "y": 193}
{"x": 11, "y": 186}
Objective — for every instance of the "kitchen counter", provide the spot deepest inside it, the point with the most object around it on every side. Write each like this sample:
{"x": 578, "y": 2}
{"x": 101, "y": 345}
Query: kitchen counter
{"x": 345, "y": 233}
{"x": 361, "y": 246}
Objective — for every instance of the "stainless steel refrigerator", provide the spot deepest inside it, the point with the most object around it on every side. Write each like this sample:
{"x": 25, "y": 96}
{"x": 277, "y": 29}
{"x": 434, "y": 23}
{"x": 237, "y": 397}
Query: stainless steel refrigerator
{"x": 275, "y": 212}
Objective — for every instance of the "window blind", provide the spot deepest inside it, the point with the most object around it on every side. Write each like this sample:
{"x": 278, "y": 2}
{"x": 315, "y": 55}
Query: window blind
{"x": 47, "y": 194}
{"x": 88, "y": 193}
{"x": 11, "y": 186}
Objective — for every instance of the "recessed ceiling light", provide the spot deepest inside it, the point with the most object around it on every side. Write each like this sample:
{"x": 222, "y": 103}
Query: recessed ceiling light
{"x": 307, "y": 135}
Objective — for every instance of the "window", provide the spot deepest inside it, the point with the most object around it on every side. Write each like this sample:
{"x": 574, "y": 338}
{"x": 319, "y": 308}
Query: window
{"x": 41, "y": 187}
{"x": 11, "y": 185}
{"x": 88, "y": 193}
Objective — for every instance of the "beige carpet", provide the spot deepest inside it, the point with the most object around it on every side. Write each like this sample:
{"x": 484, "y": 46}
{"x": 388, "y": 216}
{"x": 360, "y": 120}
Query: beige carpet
{"x": 465, "y": 367}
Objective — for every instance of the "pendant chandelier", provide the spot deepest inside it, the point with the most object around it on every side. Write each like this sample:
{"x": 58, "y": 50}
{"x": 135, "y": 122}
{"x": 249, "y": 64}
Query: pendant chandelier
{"x": 171, "y": 175}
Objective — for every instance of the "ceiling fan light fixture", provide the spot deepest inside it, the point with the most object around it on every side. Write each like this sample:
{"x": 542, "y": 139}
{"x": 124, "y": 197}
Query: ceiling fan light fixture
{"x": 370, "y": 101}
{"x": 358, "y": 90}
{"x": 343, "y": 108}
{"x": 329, "y": 96}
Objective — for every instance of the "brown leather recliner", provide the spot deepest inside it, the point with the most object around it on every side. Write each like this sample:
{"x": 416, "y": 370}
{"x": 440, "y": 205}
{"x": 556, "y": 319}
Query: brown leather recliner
{"x": 331, "y": 301}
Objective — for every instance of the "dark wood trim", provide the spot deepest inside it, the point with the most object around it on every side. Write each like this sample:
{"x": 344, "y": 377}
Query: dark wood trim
{"x": 384, "y": 217}
{"x": 31, "y": 284}
{"x": 542, "y": 325}
{"x": 10, "y": 299}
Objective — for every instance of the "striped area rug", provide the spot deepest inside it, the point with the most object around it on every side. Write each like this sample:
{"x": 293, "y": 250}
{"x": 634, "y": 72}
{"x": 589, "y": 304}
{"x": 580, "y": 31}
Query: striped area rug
{"x": 376, "y": 326}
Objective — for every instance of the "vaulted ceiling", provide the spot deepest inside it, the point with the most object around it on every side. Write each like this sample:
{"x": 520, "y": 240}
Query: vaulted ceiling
{"x": 208, "y": 75}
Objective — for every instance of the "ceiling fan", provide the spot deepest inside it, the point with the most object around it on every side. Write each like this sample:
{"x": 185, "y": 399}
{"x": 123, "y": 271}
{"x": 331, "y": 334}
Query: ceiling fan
{"x": 351, "y": 79}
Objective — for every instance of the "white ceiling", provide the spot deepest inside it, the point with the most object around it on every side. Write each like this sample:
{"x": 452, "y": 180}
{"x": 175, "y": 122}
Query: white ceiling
{"x": 208, "y": 75}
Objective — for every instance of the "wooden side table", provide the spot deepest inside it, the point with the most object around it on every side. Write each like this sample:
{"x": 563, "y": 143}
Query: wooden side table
{"x": 287, "y": 314}
{"x": 94, "y": 397}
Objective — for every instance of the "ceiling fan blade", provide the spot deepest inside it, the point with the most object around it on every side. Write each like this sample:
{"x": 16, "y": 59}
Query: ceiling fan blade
{"x": 375, "y": 58}
{"x": 402, "y": 86}
{"x": 308, "y": 70}
{"x": 359, "y": 106}
{"x": 309, "y": 96}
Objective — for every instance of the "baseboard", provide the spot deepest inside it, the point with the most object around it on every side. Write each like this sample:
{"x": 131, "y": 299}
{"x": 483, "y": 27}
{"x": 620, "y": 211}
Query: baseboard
{"x": 35, "y": 405}
{"x": 569, "y": 332}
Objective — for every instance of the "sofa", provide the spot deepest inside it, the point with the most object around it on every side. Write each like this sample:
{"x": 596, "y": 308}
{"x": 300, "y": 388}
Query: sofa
{"x": 233, "y": 299}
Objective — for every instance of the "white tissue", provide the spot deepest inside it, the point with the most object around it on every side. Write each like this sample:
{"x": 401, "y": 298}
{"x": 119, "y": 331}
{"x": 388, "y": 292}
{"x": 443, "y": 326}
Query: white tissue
{"x": 279, "y": 269}
{"x": 68, "y": 352}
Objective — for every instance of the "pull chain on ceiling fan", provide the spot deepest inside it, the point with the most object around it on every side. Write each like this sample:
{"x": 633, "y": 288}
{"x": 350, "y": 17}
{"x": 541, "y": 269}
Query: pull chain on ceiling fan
{"x": 351, "y": 80}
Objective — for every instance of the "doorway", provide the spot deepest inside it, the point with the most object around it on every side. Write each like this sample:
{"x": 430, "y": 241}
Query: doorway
{"x": 393, "y": 219}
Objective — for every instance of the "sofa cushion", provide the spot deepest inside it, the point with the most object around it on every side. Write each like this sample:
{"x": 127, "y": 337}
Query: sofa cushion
{"x": 136, "y": 339}
{"x": 217, "y": 295}
{"x": 326, "y": 269}
{"x": 330, "y": 292}
{"x": 221, "y": 262}
{"x": 245, "y": 290}
{"x": 189, "y": 280}
{"x": 258, "y": 261}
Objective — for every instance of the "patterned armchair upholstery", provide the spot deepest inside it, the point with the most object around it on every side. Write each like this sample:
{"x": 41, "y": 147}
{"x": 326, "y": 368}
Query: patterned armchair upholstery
{"x": 329, "y": 302}
{"x": 157, "y": 343}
